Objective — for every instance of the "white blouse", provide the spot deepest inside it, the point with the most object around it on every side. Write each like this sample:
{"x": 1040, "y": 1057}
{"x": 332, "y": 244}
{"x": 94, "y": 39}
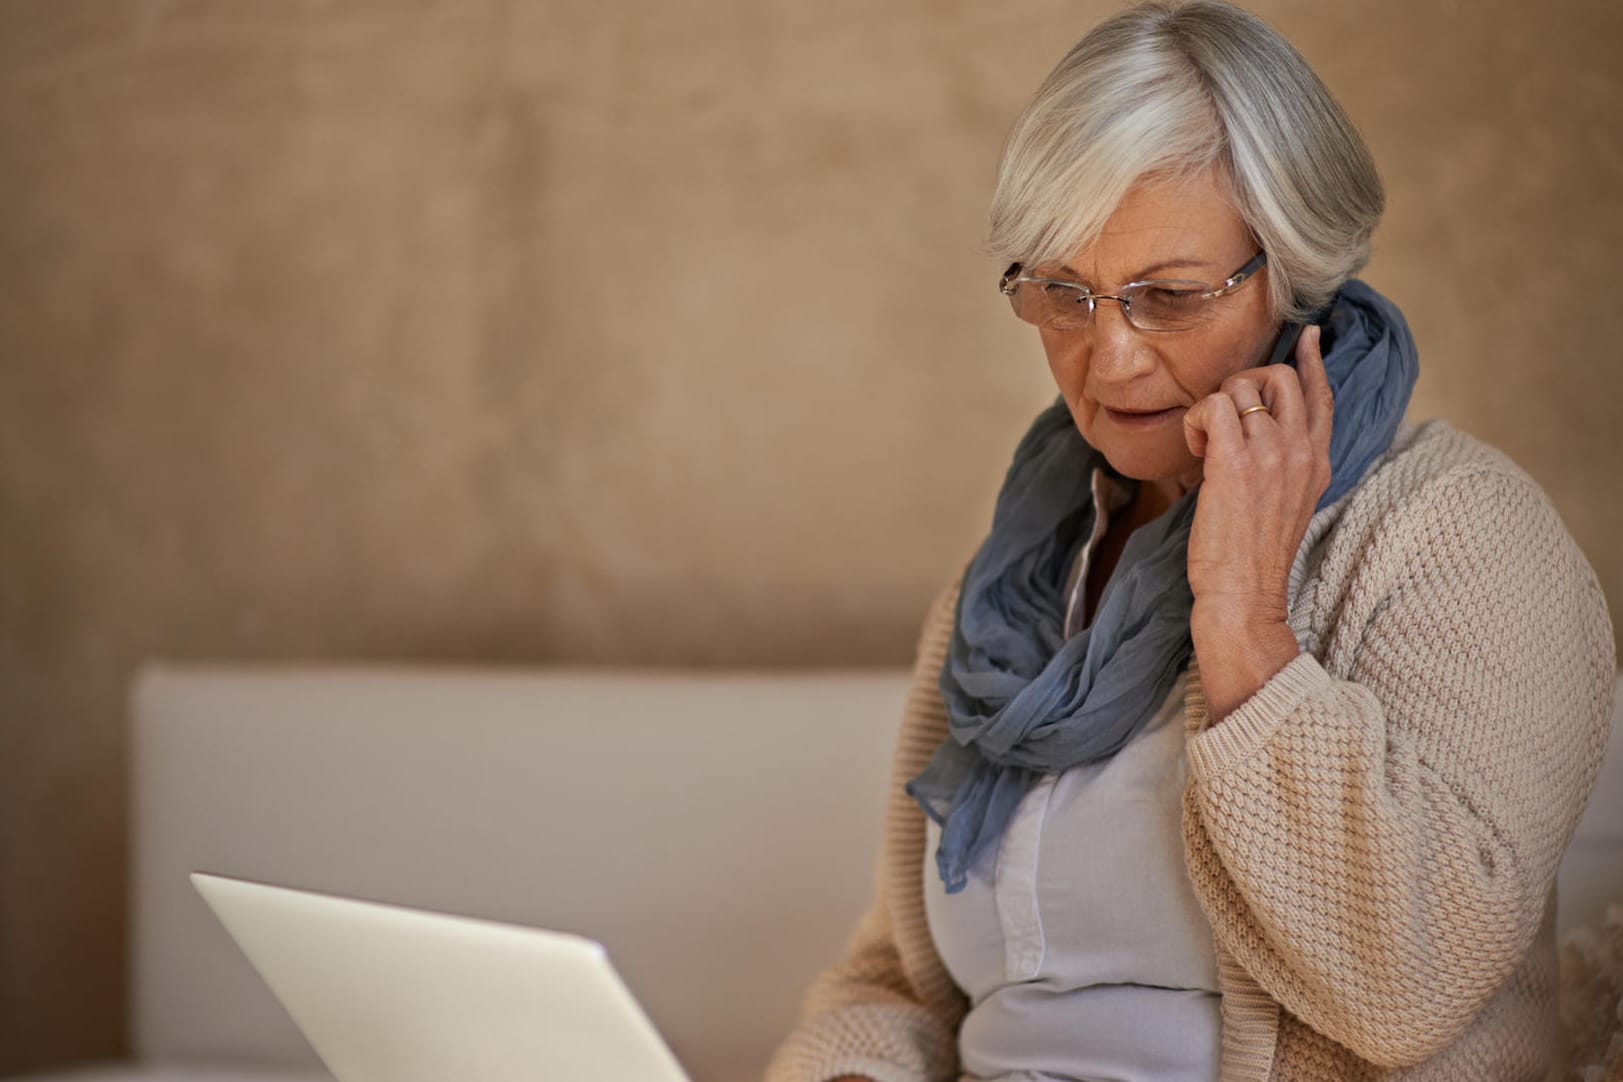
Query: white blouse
{"x": 1084, "y": 953}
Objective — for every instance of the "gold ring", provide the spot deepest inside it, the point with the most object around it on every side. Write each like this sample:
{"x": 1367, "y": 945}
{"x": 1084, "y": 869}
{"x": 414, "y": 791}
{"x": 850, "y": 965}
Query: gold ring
{"x": 1253, "y": 409}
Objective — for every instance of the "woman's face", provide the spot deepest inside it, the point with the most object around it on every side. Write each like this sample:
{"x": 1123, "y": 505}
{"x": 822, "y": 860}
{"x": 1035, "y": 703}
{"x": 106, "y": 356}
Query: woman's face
{"x": 1161, "y": 229}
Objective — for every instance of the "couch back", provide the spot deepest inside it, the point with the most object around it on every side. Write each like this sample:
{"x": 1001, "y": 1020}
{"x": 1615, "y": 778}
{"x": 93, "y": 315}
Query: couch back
{"x": 717, "y": 831}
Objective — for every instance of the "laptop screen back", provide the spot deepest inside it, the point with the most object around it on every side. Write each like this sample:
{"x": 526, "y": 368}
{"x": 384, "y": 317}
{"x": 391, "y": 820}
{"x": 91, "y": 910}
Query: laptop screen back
{"x": 390, "y": 994}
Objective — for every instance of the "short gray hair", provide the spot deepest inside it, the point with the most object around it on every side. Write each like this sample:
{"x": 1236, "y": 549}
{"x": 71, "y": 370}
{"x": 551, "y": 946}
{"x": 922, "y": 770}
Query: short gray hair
{"x": 1167, "y": 89}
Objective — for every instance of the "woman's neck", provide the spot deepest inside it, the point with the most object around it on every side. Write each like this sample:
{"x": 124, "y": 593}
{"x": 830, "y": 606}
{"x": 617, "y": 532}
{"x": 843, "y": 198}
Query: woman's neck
{"x": 1153, "y": 498}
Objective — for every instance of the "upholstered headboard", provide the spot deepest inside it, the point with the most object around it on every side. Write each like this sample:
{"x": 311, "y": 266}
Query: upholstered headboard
{"x": 716, "y": 832}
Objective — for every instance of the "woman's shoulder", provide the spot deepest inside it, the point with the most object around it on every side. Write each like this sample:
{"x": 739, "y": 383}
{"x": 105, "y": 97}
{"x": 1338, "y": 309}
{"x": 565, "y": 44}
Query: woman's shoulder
{"x": 1441, "y": 504}
{"x": 1434, "y": 452}
{"x": 1434, "y": 469}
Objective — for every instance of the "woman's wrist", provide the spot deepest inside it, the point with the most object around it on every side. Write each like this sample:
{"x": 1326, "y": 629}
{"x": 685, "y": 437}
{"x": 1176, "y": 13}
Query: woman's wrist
{"x": 1238, "y": 654}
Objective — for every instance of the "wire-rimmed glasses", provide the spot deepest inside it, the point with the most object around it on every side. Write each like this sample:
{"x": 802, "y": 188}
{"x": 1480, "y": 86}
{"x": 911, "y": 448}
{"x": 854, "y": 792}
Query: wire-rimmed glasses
{"x": 1156, "y": 304}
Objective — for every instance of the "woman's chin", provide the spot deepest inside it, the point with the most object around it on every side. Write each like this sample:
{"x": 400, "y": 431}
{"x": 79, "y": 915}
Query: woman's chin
{"x": 1138, "y": 462}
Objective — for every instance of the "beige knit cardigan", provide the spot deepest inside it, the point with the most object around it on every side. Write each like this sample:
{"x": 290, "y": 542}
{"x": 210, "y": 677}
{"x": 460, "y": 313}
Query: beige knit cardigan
{"x": 1373, "y": 835}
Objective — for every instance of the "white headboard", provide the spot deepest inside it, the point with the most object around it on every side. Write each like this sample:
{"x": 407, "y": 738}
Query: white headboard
{"x": 717, "y": 832}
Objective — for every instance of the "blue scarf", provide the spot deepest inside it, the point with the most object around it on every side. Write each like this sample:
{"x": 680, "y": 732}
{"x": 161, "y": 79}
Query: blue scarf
{"x": 1022, "y": 700}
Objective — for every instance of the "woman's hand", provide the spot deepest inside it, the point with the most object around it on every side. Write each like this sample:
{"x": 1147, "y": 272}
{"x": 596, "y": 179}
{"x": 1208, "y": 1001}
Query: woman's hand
{"x": 1262, "y": 478}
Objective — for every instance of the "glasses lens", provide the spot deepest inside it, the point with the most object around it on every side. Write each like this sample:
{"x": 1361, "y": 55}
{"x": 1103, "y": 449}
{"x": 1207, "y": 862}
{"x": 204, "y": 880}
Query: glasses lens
{"x": 1051, "y": 304}
{"x": 1169, "y": 306}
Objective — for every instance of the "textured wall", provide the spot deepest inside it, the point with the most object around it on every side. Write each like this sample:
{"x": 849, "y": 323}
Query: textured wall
{"x": 646, "y": 332}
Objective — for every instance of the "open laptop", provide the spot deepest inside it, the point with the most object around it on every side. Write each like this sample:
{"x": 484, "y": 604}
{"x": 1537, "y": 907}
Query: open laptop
{"x": 390, "y": 994}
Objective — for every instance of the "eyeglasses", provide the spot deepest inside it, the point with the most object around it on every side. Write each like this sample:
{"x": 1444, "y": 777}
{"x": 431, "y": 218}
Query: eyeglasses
{"x": 1160, "y": 304}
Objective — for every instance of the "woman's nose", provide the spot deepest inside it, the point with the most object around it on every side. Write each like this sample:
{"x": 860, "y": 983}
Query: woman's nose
{"x": 1119, "y": 351}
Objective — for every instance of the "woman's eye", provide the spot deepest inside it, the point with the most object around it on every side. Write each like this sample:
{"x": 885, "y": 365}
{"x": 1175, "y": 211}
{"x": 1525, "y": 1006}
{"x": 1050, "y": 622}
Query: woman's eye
{"x": 1168, "y": 299}
{"x": 1063, "y": 294}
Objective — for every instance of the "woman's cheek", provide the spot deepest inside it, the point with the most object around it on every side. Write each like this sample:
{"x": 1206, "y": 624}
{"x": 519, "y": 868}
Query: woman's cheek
{"x": 1214, "y": 360}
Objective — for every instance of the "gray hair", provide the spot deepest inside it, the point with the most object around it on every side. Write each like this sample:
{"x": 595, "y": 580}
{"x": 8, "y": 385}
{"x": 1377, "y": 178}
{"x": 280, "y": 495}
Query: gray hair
{"x": 1168, "y": 89}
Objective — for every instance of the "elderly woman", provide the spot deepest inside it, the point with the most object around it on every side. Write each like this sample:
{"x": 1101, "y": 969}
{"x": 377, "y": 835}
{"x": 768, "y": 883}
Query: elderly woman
{"x": 1248, "y": 742}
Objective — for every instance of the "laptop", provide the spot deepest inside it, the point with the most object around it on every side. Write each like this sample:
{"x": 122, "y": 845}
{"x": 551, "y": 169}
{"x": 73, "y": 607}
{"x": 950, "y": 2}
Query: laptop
{"x": 390, "y": 994}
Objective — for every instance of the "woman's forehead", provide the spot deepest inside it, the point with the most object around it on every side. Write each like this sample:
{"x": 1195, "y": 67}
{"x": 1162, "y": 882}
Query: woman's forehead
{"x": 1169, "y": 229}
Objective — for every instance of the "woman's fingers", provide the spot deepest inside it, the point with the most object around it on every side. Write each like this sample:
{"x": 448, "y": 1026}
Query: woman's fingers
{"x": 1212, "y": 425}
{"x": 1300, "y": 405}
{"x": 1245, "y": 393}
{"x": 1194, "y": 428}
{"x": 1276, "y": 387}
{"x": 1318, "y": 400}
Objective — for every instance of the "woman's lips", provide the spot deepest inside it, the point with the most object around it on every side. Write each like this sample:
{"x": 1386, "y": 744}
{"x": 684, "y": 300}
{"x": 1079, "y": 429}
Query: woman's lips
{"x": 1142, "y": 420}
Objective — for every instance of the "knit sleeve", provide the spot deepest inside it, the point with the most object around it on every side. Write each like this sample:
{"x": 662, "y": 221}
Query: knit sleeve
{"x": 862, "y": 1018}
{"x": 868, "y": 1015}
{"x": 1377, "y": 851}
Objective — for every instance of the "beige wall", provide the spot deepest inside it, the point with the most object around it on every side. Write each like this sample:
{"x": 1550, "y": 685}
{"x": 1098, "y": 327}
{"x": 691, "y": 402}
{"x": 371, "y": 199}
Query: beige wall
{"x": 644, "y": 332}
